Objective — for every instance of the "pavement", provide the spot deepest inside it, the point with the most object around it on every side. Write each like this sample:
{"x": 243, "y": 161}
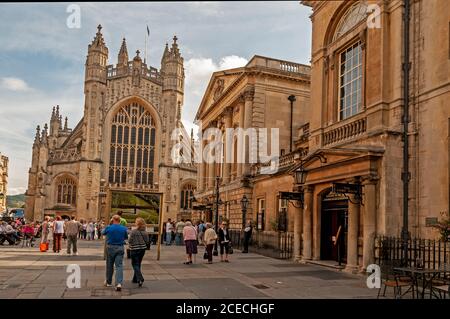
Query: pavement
{"x": 28, "y": 273}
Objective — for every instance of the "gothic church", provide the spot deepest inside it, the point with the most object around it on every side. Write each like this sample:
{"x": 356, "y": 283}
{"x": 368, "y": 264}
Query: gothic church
{"x": 122, "y": 143}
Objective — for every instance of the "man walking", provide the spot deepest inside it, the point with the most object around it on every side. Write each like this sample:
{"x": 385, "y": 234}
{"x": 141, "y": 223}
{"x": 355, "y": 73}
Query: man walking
{"x": 116, "y": 235}
{"x": 72, "y": 228}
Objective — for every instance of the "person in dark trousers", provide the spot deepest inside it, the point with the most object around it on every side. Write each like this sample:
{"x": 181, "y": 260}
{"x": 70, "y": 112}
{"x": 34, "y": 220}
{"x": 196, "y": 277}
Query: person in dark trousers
{"x": 116, "y": 235}
{"x": 138, "y": 245}
{"x": 224, "y": 240}
{"x": 247, "y": 236}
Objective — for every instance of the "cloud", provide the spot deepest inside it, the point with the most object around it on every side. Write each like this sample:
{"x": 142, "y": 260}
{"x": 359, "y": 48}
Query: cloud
{"x": 198, "y": 73}
{"x": 14, "y": 84}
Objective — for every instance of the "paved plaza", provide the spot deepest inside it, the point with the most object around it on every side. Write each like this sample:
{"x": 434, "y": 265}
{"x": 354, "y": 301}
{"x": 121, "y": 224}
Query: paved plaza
{"x": 28, "y": 273}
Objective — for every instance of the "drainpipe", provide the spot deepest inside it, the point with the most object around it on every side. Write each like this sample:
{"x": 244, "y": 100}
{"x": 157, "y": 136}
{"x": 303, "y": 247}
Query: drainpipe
{"x": 291, "y": 98}
{"x": 405, "y": 173}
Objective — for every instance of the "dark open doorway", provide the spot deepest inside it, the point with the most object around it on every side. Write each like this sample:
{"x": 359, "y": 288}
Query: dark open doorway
{"x": 334, "y": 228}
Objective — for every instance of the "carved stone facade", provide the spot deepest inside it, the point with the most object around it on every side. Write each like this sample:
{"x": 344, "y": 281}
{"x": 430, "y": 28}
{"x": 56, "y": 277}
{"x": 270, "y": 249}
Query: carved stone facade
{"x": 251, "y": 97}
{"x": 122, "y": 143}
{"x": 3, "y": 181}
{"x": 356, "y": 126}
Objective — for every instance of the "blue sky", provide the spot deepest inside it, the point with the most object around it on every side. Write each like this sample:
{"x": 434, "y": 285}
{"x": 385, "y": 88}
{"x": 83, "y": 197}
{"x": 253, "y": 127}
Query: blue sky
{"x": 42, "y": 60}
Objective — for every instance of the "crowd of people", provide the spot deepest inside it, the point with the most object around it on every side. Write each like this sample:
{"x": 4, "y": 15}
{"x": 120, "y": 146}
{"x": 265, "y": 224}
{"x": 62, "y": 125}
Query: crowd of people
{"x": 117, "y": 234}
{"x": 18, "y": 231}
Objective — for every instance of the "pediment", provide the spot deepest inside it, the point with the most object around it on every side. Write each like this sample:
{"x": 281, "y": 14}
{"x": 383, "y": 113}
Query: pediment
{"x": 217, "y": 86}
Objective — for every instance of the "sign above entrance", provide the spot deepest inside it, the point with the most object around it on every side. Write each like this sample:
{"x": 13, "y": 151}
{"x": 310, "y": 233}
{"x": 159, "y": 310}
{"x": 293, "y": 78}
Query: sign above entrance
{"x": 292, "y": 196}
{"x": 342, "y": 188}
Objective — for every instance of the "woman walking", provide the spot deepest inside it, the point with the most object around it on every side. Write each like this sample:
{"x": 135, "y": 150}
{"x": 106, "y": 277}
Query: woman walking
{"x": 190, "y": 240}
{"x": 209, "y": 238}
{"x": 138, "y": 243}
{"x": 224, "y": 240}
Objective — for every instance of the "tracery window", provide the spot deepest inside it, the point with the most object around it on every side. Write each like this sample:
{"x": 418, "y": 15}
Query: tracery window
{"x": 186, "y": 194}
{"x": 351, "y": 18}
{"x": 66, "y": 191}
{"x": 132, "y": 154}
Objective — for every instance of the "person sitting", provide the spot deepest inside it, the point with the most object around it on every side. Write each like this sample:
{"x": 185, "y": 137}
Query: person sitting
{"x": 4, "y": 236}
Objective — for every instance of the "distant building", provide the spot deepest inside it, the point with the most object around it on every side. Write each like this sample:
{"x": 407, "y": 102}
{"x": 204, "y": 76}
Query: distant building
{"x": 122, "y": 143}
{"x": 3, "y": 181}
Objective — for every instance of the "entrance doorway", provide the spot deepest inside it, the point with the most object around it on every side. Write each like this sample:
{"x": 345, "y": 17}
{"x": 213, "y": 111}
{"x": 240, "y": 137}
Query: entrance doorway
{"x": 334, "y": 223}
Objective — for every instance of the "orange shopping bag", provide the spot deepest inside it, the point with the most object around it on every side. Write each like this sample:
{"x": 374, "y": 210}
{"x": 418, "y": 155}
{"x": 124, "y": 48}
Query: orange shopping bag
{"x": 43, "y": 247}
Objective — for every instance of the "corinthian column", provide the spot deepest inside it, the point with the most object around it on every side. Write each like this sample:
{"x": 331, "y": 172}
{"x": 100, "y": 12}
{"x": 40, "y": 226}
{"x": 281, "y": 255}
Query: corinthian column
{"x": 248, "y": 96}
{"x": 227, "y": 158}
{"x": 298, "y": 228}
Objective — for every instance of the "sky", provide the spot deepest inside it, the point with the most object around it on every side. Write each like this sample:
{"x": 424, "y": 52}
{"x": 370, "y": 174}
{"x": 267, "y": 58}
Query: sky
{"x": 42, "y": 59}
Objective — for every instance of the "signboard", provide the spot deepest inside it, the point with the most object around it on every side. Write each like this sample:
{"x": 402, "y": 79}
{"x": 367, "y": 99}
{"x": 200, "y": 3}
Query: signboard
{"x": 341, "y": 188}
{"x": 292, "y": 196}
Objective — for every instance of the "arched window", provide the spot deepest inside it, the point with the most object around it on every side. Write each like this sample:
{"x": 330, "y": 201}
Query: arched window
{"x": 185, "y": 197}
{"x": 66, "y": 191}
{"x": 354, "y": 15}
{"x": 132, "y": 150}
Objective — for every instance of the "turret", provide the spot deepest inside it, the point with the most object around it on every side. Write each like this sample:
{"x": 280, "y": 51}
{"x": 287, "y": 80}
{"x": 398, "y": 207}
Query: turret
{"x": 54, "y": 122}
{"x": 122, "y": 59}
{"x": 96, "y": 59}
{"x": 172, "y": 69}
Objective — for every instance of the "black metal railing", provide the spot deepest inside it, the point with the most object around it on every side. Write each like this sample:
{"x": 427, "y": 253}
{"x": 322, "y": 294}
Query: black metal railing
{"x": 272, "y": 244}
{"x": 430, "y": 253}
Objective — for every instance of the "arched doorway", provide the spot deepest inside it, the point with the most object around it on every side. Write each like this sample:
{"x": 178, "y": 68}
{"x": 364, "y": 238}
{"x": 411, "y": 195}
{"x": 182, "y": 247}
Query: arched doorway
{"x": 334, "y": 224}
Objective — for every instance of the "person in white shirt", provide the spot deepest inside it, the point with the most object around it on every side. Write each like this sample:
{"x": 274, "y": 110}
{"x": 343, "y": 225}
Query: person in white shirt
{"x": 169, "y": 229}
{"x": 58, "y": 231}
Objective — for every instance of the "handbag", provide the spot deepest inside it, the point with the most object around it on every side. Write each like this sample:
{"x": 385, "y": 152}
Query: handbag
{"x": 230, "y": 249}
{"x": 147, "y": 244}
{"x": 205, "y": 255}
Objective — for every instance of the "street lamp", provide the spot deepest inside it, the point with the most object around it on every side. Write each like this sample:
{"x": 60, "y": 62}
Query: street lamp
{"x": 300, "y": 176}
{"x": 291, "y": 99}
{"x": 244, "y": 206}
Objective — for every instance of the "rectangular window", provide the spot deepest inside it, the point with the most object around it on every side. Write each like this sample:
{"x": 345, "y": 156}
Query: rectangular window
{"x": 350, "y": 81}
{"x": 261, "y": 214}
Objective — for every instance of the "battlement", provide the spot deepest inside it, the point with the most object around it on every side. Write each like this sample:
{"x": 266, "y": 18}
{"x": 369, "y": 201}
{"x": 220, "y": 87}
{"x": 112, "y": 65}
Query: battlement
{"x": 149, "y": 73}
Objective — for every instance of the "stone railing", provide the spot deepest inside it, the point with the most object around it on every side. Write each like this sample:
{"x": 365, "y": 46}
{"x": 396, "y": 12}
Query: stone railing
{"x": 281, "y": 65}
{"x": 67, "y": 154}
{"x": 150, "y": 73}
{"x": 344, "y": 132}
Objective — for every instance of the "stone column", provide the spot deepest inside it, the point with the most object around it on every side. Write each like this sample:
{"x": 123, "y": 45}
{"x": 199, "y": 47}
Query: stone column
{"x": 202, "y": 171}
{"x": 307, "y": 223}
{"x": 298, "y": 229}
{"x": 352, "y": 235}
{"x": 240, "y": 166}
{"x": 369, "y": 222}
{"x": 227, "y": 158}
{"x": 248, "y": 96}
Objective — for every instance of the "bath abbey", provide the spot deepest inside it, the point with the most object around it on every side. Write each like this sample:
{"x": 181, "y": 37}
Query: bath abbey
{"x": 121, "y": 145}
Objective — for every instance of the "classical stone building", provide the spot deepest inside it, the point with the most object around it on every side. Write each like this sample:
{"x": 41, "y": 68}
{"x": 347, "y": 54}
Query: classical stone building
{"x": 3, "y": 181}
{"x": 253, "y": 96}
{"x": 356, "y": 127}
{"x": 122, "y": 143}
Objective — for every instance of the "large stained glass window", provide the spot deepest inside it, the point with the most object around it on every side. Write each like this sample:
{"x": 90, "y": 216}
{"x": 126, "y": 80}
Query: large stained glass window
{"x": 132, "y": 146}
